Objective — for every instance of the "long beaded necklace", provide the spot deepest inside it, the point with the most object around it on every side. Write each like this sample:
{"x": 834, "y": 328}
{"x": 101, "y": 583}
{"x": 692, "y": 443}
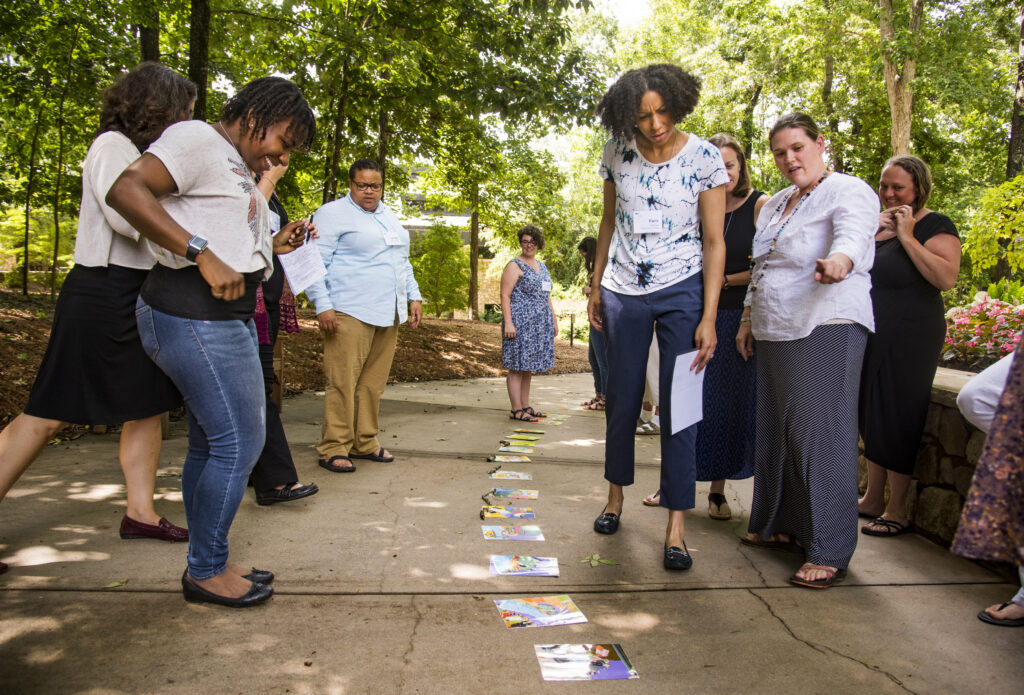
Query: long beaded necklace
{"x": 778, "y": 232}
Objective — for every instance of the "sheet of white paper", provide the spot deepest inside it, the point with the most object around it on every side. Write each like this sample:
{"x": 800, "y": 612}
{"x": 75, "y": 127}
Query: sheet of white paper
{"x": 687, "y": 393}
{"x": 303, "y": 266}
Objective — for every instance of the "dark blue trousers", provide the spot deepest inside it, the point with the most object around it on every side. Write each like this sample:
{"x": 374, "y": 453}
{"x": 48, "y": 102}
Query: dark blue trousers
{"x": 629, "y": 321}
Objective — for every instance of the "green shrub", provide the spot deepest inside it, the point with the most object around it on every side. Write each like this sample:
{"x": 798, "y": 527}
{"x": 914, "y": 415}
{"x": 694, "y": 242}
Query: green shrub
{"x": 441, "y": 264}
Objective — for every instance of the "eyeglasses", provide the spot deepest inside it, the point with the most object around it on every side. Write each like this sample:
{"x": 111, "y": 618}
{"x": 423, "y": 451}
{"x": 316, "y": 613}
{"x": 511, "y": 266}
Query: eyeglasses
{"x": 527, "y": 242}
{"x": 368, "y": 186}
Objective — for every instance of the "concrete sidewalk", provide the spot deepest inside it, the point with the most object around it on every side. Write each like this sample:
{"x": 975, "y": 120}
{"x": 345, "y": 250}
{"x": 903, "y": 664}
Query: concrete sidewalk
{"x": 383, "y": 582}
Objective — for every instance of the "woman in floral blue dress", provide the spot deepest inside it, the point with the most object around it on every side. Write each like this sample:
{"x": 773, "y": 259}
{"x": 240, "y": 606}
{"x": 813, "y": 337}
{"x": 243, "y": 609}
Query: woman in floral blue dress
{"x": 527, "y": 323}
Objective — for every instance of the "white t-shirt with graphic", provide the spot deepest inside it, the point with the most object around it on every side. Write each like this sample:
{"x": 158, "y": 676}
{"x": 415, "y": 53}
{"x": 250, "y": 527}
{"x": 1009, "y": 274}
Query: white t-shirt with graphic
{"x": 657, "y": 239}
{"x": 217, "y": 198}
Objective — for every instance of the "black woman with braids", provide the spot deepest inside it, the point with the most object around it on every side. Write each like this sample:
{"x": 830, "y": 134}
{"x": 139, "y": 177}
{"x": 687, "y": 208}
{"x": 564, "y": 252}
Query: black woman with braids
{"x": 193, "y": 194}
{"x": 660, "y": 261}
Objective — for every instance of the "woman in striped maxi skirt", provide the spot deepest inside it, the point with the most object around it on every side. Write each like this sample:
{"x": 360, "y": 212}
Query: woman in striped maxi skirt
{"x": 809, "y": 307}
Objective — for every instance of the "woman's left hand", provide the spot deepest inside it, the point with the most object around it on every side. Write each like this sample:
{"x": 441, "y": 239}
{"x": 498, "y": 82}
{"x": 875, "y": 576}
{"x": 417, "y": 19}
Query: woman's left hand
{"x": 904, "y": 217}
{"x": 705, "y": 339}
{"x": 293, "y": 235}
{"x": 833, "y": 269}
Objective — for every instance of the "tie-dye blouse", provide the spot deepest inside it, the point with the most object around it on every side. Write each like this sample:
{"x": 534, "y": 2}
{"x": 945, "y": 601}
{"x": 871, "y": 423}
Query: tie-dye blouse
{"x": 644, "y": 263}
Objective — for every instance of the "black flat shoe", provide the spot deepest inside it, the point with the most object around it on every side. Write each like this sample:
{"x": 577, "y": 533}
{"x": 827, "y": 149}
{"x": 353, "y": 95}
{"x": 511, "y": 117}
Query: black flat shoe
{"x": 607, "y": 523}
{"x": 259, "y": 576}
{"x": 678, "y": 558}
{"x": 193, "y": 593}
{"x": 286, "y": 494}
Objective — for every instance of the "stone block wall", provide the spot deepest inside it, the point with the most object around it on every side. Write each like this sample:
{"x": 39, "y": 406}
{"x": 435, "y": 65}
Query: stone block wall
{"x": 946, "y": 461}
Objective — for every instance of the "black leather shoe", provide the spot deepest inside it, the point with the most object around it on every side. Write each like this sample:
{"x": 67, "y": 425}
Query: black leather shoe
{"x": 678, "y": 558}
{"x": 257, "y": 594}
{"x": 607, "y": 523}
{"x": 259, "y": 576}
{"x": 286, "y": 494}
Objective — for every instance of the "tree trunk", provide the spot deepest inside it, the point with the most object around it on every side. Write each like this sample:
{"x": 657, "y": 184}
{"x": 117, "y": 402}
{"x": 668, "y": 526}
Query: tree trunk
{"x": 831, "y": 119}
{"x": 149, "y": 35}
{"x": 899, "y": 78}
{"x": 60, "y": 164}
{"x": 749, "y": 127}
{"x": 334, "y": 161}
{"x": 199, "y": 53}
{"x": 1015, "y": 157}
{"x": 382, "y": 145}
{"x": 474, "y": 254}
{"x": 28, "y": 191}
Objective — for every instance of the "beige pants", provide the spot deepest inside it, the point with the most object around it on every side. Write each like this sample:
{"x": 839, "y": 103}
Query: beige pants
{"x": 357, "y": 360}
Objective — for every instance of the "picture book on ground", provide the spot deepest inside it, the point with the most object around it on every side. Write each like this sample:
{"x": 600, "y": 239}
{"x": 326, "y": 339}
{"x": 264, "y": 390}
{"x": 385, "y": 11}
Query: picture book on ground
{"x": 543, "y": 611}
{"x": 524, "y": 565}
{"x": 583, "y": 662}
{"x": 514, "y": 494}
{"x": 527, "y": 430}
{"x": 511, "y": 475}
{"x": 494, "y": 512}
{"x": 516, "y": 449}
{"x": 524, "y": 436}
{"x": 512, "y": 533}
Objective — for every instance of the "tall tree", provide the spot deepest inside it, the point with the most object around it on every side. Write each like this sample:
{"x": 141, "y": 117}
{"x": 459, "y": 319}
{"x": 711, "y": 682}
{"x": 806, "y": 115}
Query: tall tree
{"x": 899, "y": 61}
{"x": 199, "y": 53}
{"x": 1015, "y": 155}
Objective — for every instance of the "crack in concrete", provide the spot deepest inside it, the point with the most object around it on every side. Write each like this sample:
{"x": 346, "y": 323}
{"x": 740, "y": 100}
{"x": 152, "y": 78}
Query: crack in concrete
{"x": 737, "y": 528}
{"x": 411, "y": 646}
{"x": 825, "y": 649}
{"x": 395, "y": 535}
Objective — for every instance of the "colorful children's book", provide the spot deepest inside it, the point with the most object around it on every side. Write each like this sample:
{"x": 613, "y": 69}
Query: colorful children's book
{"x": 524, "y": 436}
{"x": 524, "y": 565}
{"x": 495, "y": 512}
{"x": 583, "y": 662}
{"x": 544, "y": 611}
{"x": 512, "y": 533}
{"x": 511, "y": 475}
{"x": 511, "y": 493}
{"x": 526, "y": 430}
{"x": 507, "y": 449}
{"x": 510, "y": 459}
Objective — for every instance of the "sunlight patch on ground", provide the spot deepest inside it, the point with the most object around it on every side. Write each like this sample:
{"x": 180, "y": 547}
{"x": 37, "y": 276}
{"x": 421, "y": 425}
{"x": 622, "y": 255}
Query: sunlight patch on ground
{"x": 94, "y": 493}
{"x": 40, "y": 657}
{"x": 45, "y": 555}
{"x": 423, "y": 502}
{"x": 629, "y": 622}
{"x": 463, "y": 571}
{"x": 11, "y": 628}
{"x": 76, "y": 528}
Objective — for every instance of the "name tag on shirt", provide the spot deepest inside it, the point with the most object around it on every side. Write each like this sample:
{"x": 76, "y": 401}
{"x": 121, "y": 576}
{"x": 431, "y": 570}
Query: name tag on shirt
{"x": 275, "y": 222}
{"x": 545, "y": 285}
{"x": 391, "y": 237}
{"x": 646, "y": 222}
{"x": 762, "y": 244}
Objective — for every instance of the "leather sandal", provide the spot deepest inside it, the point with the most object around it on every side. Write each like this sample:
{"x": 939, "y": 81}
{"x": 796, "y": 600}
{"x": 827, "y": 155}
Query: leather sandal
{"x": 329, "y": 464}
{"x": 522, "y": 414}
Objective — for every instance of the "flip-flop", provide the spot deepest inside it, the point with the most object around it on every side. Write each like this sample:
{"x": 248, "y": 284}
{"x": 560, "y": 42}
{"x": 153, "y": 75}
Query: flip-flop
{"x": 837, "y": 576}
{"x": 888, "y": 528}
{"x": 329, "y": 464}
{"x": 1004, "y": 622}
{"x": 789, "y": 546}
{"x": 653, "y": 500}
{"x": 377, "y": 455}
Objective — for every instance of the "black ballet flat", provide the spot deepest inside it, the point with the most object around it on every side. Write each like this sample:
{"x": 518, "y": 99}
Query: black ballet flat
{"x": 678, "y": 558}
{"x": 607, "y": 523}
{"x": 193, "y": 593}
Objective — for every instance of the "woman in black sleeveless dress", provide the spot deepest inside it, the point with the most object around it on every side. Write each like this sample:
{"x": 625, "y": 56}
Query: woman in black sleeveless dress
{"x": 917, "y": 255}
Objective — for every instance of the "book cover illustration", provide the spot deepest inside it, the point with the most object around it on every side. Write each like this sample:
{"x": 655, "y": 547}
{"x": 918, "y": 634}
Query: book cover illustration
{"x": 496, "y": 512}
{"x": 511, "y": 459}
{"x": 511, "y": 475}
{"x": 508, "y": 449}
{"x": 512, "y": 533}
{"x": 583, "y": 662}
{"x": 514, "y": 494}
{"x": 542, "y": 611}
{"x": 527, "y": 430}
{"x": 524, "y": 565}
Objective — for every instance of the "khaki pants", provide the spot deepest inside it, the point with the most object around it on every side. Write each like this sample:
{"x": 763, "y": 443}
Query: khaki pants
{"x": 357, "y": 360}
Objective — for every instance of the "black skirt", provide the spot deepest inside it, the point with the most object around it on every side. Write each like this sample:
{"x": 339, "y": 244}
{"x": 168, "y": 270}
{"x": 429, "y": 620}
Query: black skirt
{"x": 95, "y": 371}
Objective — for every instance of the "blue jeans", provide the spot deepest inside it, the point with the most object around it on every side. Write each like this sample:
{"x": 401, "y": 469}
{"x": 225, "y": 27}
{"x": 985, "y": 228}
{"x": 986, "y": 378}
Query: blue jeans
{"x": 216, "y": 366}
{"x": 629, "y": 321}
{"x": 598, "y": 357}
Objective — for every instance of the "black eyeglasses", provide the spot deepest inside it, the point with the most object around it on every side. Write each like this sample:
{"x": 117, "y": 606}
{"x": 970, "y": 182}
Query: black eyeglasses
{"x": 368, "y": 186}
{"x": 527, "y": 242}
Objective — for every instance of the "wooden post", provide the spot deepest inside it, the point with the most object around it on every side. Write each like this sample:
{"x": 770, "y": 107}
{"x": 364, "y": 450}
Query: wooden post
{"x": 572, "y": 327}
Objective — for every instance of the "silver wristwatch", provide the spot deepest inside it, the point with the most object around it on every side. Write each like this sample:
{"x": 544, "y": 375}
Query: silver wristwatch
{"x": 196, "y": 245}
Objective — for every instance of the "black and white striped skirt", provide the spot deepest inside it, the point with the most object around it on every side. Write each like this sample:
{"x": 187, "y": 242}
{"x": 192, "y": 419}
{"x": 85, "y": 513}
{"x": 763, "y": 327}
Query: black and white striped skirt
{"x": 805, "y": 464}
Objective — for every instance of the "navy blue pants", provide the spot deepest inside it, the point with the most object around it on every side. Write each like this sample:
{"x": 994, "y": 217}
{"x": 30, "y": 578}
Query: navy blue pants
{"x": 629, "y": 321}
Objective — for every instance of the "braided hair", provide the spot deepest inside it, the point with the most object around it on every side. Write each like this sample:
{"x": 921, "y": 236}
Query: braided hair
{"x": 267, "y": 101}
{"x": 679, "y": 90}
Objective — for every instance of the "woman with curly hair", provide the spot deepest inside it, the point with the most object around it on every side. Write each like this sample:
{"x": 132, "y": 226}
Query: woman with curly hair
{"x": 193, "y": 194}
{"x": 660, "y": 260}
{"x": 528, "y": 324}
{"x": 95, "y": 371}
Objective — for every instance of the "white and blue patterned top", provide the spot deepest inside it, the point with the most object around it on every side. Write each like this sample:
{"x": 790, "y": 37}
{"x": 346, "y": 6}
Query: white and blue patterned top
{"x": 644, "y": 263}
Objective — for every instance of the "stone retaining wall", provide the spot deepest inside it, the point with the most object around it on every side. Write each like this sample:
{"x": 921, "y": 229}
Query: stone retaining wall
{"x": 946, "y": 461}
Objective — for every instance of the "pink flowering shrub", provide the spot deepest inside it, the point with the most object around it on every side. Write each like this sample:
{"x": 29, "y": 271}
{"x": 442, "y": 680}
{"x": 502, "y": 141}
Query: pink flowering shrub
{"x": 979, "y": 334}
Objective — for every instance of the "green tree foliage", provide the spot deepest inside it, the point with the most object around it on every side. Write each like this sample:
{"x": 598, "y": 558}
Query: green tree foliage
{"x": 441, "y": 264}
{"x": 996, "y": 231}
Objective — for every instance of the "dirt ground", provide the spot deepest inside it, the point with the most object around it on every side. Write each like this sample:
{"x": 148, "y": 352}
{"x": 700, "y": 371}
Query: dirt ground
{"x": 439, "y": 349}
